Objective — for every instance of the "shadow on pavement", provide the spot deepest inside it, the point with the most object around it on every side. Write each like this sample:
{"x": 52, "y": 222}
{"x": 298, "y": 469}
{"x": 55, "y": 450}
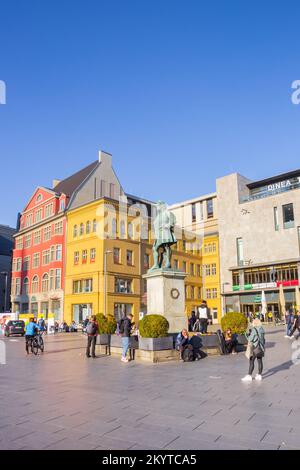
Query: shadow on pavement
{"x": 285, "y": 366}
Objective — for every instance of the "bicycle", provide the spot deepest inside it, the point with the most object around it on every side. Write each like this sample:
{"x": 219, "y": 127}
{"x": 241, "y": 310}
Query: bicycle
{"x": 37, "y": 343}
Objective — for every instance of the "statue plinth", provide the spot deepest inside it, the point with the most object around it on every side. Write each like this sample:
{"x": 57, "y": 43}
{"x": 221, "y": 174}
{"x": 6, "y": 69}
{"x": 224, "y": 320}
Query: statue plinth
{"x": 166, "y": 296}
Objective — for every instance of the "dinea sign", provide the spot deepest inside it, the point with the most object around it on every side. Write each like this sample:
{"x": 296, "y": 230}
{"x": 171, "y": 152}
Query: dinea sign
{"x": 2, "y": 92}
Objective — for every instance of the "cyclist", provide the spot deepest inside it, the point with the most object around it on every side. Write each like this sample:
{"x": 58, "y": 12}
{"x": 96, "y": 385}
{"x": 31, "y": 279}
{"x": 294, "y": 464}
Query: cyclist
{"x": 31, "y": 330}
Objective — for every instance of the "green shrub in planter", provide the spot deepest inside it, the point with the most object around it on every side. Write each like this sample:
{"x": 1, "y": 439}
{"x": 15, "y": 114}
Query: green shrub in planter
{"x": 107, "y": 325}
{"x": 153, "y": 326}
{"x": 236, "y": 321}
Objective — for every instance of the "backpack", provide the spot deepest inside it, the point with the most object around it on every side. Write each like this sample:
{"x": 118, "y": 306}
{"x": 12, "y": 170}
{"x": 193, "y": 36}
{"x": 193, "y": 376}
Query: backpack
{"x": 121, "y": 326}
{"x": 188, "y": 354}
{"x": 91, "y": 328}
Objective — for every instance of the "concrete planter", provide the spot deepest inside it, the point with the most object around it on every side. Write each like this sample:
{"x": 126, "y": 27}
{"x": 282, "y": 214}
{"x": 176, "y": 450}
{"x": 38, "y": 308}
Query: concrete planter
{"x": 103, "y": 339}
{"x": 210, "y": 341}
{"x": 156, "y": 344}
{"x": 242, "y": 339}
{"x": 116, "y": 342}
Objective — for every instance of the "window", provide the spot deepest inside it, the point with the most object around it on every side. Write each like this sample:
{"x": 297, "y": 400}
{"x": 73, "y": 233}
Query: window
{"x": 76, "y": 257}
{"x": 46, "y": 257}
{"x": 193, "y": 212}
{"x": 146, "y": 261}
{"x": 45, "y": 283}
{"x": 208, "y": 293}
{"x": 213, "y": 269}
{"x": 192, "y": 292}
{"x": 210, "y": 208}
{"x": 117, "y": 255}
{"x": 19, "y": 243}
{"x": 36, "y": 260}
{"x": 199, "y": 292}
{"x": 75, "y": 231}
{"x": 129, "y": 258}
{"x": 18, "y": 286}
{"x": 84, "y": 256}
{"x": 176, "y": 264}
{"x": 19, "y": 265}
{"x": 192, "y": 270}
{"x": 123, "y": 286}
{"x": 92, "y": 255}
{"x": 26, "y": 263}
{"x": 122, "y": 229}
{"x": 51, "y": 279}
{"x": 276, "y": 222}
{"x": 214, "y": 247}
{"x": 201, "y": 210}
{"x": 52, "y": 253}
{"x": 184, "y": 266}
{"x": 58, "y": 252}
{"x": 130, "y": 230}
{"x": 58, "y": 228}
{"x": 198, "y": 270}
{"x": 76, "y": 287}
{"x": 57, "y": 278}
{"x": 87, "y": 285}
{"x": 88, "y": 227}
{"x": 26, "y": 286}
{"x": 214, "y": 293}
{"x": 94, "y": 225}
{"x": 62, "y": 205}
{"x": 114, "y": 228}
{"x": 288, "y": 216}
{"x": 183, "y": 245}
{"x": 35, "y": 285}
{"x": 27, "y": 242}
{"x": 235, "y": 278}
{"x": 47, "y": 233}
{"x": 81, "y": 229}
{"x": 240, "y": 251}
{"x": 38, "y": 215}
{"x": 49, "y": 210}
{"x": 29, "y": 220}
{"x": 207, "y": 270}
{"x": 37, "y": 237}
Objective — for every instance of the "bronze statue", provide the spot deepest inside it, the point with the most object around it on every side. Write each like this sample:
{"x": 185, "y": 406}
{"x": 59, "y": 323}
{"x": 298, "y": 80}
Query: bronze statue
{"x": 164, "y": 225}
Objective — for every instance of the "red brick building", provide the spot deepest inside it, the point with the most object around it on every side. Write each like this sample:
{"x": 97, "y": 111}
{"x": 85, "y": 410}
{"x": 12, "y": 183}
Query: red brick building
{"x": 38, "y": 265}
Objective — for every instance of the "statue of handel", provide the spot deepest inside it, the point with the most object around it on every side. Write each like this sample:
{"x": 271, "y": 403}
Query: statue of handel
{"x": 164, "y": 225}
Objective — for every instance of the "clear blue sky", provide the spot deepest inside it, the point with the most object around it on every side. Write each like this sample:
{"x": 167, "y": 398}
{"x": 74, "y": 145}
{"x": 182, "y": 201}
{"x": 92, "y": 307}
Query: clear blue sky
{"x": 180, "y": 92}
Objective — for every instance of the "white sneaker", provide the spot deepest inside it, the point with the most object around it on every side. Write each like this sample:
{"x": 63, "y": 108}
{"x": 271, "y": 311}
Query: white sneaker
{"x": 286, "y": 336}
{"x": 124, "y": 359}
{"x": 258, "y": 377}
{"x": 247, "y": 378}
{"x": 292, "y": 337}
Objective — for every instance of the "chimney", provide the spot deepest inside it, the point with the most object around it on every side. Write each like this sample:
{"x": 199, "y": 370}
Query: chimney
{"x": 105, "y": 158}
{"x": 55, "y": 183}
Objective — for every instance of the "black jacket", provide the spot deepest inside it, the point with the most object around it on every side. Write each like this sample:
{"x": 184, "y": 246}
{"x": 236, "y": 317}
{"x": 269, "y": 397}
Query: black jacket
{"x": 127, "y": 327}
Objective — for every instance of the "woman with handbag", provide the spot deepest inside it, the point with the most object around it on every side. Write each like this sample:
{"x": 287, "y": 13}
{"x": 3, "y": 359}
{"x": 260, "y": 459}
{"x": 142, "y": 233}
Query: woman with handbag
{"x": 255, "y": 349}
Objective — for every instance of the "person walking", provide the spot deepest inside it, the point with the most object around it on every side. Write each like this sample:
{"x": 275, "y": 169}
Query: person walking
{"x": 125, "y": 328}
{"x": 255, "y": 350}
{"x": 289, "y": 320}
{"x": 203, "y": 316}
{"x": 295, "y": 325}
{"x": 92, "y": 330}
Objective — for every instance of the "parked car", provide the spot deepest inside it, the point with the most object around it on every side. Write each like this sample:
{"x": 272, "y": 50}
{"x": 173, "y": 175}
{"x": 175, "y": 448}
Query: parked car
{"x": 14, "y": 327}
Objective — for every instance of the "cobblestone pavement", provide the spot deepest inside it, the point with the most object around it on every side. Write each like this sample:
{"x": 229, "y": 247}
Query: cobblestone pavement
{"x": 62, "y": 400}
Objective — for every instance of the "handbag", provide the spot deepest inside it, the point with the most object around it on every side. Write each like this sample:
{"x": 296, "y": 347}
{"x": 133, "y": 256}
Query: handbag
{"x": 249, "y": 350}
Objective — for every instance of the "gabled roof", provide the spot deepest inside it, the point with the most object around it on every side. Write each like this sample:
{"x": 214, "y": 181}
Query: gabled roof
{"x": 68, "y": 185}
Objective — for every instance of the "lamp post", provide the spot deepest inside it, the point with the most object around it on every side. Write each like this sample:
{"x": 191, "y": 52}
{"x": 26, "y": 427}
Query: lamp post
{"x": 5, "y": 273}
{"x": 223, "y": 292}
{"x": 107, "y": 252}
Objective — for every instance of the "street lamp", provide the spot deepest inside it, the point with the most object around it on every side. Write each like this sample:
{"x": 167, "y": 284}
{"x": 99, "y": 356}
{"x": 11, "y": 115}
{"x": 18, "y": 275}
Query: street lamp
{"x": 5, "y": 273}
{"x": 223, "y": 292}
{"x": 107, "y": 252}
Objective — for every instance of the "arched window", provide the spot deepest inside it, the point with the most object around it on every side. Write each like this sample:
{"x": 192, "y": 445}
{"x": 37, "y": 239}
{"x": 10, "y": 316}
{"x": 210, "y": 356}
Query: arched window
{"x": 94, "y": 225}
{"x": 45, "y": 282}
{"x": 81, "y": 230}
{"x": 75, "y": 231}
{"x": 88, "y": 227}
{"x": 35, "y": 285}
{"x": 26, "y": 286}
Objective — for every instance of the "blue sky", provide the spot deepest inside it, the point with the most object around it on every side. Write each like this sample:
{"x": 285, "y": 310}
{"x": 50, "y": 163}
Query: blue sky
{"x": 180, "y": 92}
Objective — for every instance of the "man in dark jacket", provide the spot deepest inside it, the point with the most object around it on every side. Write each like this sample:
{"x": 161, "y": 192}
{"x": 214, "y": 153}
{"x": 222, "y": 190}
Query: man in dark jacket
{"x": 296, "y": 325}
{"x": 92, "y": 330}
{"x": 126, "y": 326}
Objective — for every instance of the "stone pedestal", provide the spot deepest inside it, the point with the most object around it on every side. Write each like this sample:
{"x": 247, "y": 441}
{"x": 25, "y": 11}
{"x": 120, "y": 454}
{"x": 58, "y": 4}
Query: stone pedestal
{"x": 166, "y": 296}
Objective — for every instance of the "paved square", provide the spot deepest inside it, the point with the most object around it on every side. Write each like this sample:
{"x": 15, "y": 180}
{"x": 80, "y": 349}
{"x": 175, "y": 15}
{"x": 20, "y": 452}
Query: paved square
{"x": 62, "y": 400}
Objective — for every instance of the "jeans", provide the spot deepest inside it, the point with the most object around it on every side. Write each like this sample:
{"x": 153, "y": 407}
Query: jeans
{"x": 251, "y": 365}
{"x": 125, "y": 344}
{"x": 203, "y": 325}
{"x": 91, "y": 342}
{"x": 288, "y": 329}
